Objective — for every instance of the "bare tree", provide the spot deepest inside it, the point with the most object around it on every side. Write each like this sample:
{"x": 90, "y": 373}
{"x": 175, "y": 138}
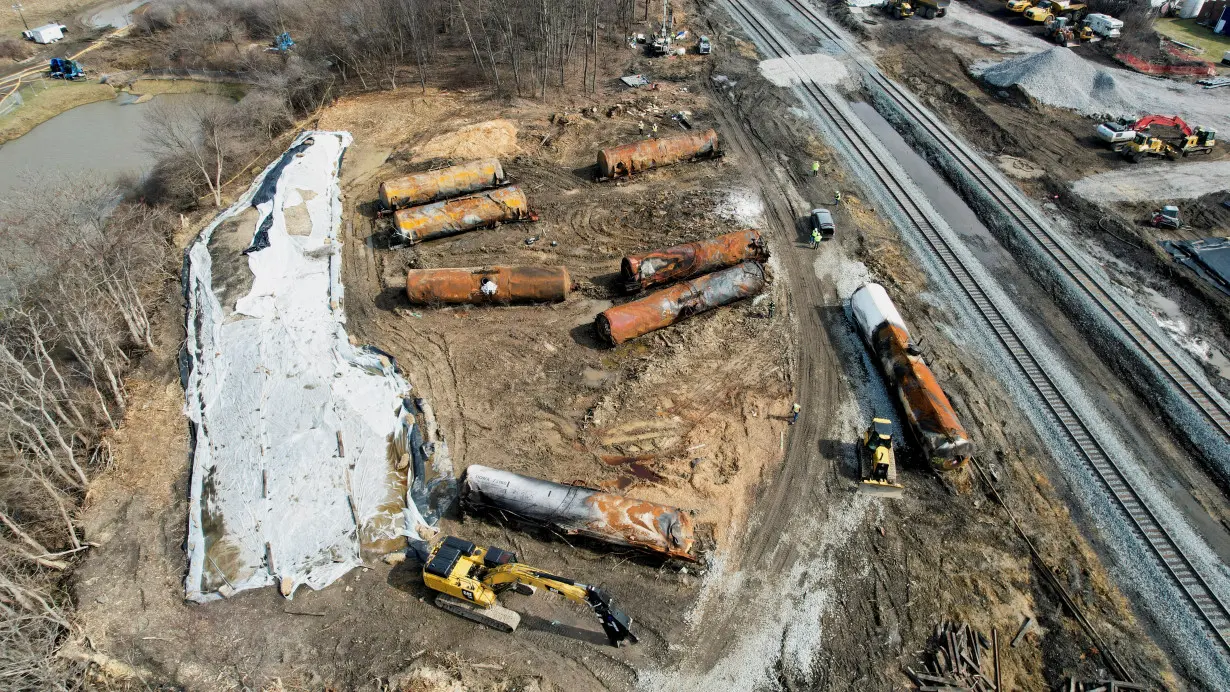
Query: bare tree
{"x": 198, "y": 131}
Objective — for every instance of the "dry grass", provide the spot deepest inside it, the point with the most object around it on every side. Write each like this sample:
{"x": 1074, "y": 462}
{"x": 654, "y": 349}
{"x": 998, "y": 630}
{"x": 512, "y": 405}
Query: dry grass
{"x": 39, "y": 12}
{"x": 46, "y": 99}
{"x": 148, "y": 88}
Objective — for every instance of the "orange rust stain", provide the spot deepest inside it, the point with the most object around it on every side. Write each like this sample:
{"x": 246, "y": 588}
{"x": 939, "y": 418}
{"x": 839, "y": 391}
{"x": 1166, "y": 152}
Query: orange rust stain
{"x": 641, "y": 523}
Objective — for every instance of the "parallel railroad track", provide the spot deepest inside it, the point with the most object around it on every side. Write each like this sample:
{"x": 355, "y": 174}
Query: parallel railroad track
{"x": 1214, "y": 614}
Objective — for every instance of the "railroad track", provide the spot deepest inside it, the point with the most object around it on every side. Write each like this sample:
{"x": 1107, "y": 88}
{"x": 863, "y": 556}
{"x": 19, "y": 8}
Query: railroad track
{"x": 1214, "y": 614}
{"x": 1206, "y": 401}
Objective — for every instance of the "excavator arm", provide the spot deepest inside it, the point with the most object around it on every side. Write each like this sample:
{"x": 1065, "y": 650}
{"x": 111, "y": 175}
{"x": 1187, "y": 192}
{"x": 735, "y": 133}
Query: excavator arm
{"x": 615, "y": 623}
{"x": 1165, "y": 120}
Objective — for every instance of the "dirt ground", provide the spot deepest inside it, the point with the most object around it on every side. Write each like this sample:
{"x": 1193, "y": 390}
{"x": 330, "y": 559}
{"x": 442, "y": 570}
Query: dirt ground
{"x": 810, "y": 586}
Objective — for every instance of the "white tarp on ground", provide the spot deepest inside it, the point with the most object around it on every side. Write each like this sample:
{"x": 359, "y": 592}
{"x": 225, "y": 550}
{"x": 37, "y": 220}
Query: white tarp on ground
{"x": 274, "y": 382}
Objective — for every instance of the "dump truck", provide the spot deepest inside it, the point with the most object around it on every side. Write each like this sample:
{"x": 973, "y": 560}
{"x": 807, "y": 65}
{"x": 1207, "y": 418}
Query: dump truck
{"x": 1054, "y": 8}
{"x": 930, "y": 9}
{"x": 468, "y": 580}
{"x": 900, "y": 9}
{"x": 1020, "y": 5}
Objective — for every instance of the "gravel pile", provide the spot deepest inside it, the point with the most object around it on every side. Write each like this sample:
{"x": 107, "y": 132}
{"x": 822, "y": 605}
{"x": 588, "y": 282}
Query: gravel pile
{"x": 1061, "y": 78}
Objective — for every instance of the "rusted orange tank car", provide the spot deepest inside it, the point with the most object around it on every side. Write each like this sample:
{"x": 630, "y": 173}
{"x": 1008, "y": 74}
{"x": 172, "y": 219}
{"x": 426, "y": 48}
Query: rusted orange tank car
{"x": 457, "y": 286}
{"x": 692, "y": 259}
{"x": 461, "y": 214}
{"x": 421, "y": 188}
{"x": 634, "y": 157}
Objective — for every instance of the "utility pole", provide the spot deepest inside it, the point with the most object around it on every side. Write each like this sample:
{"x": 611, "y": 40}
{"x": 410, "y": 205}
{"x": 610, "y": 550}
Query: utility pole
{"x": 18, "y": 9}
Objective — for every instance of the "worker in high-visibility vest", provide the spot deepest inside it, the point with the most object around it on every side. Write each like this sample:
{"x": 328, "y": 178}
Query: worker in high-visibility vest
{"x": 815, "y": 168}
{"x": 836, "y": 197}
{"x": 815, "y": 238}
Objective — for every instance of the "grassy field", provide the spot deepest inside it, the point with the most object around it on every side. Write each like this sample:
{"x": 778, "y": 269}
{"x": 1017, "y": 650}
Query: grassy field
{"x": 1187, "y": 31}
{"x": 47, "y": 98}
{"x": 149, "y": 88}
{"x": 38, "y": 13}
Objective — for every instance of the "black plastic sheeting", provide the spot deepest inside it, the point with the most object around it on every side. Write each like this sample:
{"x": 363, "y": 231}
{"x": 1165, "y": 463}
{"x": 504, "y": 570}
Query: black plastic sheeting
{"x": 1208, "y": 257}
{"x": 268, "y": 188}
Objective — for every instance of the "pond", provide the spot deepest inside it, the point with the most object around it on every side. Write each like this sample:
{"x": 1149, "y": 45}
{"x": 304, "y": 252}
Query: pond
{"x": 107, "y": 138}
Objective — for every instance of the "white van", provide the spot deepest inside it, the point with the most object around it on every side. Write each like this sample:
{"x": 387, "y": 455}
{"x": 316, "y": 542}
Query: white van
{"x": 47, "y": 33}
{"x": 1105, "y": 25}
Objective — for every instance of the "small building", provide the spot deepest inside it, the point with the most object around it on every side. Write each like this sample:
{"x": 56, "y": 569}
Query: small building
{"x": 47, "y": 33}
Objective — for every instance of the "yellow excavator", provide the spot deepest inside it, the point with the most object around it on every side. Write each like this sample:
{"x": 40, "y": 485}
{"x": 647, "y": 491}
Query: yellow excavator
{"x": 469, "y": 579}
{"x": 877, "y": 450}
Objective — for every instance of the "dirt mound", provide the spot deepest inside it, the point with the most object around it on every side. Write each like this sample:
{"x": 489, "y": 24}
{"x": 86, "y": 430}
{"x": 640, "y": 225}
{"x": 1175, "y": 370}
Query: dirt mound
{"x": 490, "y": 138}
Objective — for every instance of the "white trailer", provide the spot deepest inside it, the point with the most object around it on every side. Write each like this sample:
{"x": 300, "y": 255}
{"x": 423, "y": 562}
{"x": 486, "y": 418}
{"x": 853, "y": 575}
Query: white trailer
{"x": 1105, "y": 25}
{"x": 47, "y": 33}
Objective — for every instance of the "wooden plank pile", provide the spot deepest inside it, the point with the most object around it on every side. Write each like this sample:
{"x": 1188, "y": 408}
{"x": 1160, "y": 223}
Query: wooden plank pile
{"x": 960, "y": 659}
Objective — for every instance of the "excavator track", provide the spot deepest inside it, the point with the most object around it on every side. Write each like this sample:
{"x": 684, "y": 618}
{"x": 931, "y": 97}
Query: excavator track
{"x": 496, "y": 617}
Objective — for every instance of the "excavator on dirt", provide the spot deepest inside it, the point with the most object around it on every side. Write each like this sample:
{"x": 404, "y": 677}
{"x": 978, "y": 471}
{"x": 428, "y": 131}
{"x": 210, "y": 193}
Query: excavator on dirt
{"x": 878, "y": 461}
{"x": 1199, "y": 140}
{"x": 469, "y": 579}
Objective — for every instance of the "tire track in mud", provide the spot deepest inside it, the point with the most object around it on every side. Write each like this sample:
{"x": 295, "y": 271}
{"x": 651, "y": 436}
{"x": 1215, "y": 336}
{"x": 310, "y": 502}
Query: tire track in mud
{"x": 767, "y": 548}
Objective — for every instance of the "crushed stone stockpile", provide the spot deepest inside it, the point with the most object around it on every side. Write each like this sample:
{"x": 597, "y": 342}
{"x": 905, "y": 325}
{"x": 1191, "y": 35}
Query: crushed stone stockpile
{"x": 297, "y": 434}
{"x": 1059, "y": 77}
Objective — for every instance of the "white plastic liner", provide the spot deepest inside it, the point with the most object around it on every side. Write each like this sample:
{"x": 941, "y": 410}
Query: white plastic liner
{"x": 271, "y": 387}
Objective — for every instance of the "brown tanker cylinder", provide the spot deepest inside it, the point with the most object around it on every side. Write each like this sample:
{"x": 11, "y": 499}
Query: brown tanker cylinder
{"x": 693, "y": 259}
{"x": 421, "y": 188}
{"x": 626, "y": 159}
{"x": 488, "y": 285}
{"x": 930, "y": 414}
{"x": 681, "y": 301}
{"x": 462, "y": 214}
{"x": 575, "y": 510}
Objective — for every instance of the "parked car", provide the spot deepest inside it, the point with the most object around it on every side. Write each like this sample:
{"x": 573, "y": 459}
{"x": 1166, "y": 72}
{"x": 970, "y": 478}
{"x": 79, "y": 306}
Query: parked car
{"x": 822, "y": 220}
{"x": 1115, "y": 132}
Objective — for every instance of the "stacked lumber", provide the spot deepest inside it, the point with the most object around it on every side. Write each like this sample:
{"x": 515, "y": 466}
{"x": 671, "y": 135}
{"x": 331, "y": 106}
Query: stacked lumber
{"x": 960, "y": 658}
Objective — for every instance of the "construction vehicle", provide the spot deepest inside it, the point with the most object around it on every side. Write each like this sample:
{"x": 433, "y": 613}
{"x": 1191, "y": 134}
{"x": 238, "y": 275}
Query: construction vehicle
{"x": 1167, "y": 217}
{"x": 879, "y": 461}
{"x": 1199, "y": 140}
{"x": 68, "y": 70}
{"x": 930, "y": 9}
{"x": 1020, "y": 5}
{"x": 900, "y": 8}
{"x": 1065, "y": 32}
{"x": 469, "y": 579}
{"x": 1054, "y": 8}
{"x": 703, "y": 46}
{"x": 1143, "y": 146}
{"x": 1104, "y": 25}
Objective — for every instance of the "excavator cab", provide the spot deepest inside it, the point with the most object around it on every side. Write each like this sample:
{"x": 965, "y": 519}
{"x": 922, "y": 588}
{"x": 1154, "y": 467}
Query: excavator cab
{"x": 880, "y": 477}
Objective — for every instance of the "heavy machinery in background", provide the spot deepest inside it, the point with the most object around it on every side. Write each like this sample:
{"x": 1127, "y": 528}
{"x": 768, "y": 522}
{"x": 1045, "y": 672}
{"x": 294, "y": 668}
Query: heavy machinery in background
{"x": 1065, "y": 32}
{"x": 900, "y": 8}
{"x": 1020, "y": 5}
{"x": 1133, "y": 142}
{"x": 1167, "y": 217}
{"x": 1055, "y": 8}
{"x": 469, "y": 579}
{"x": 703, "y": 46}
{"x": 68, "y": 70}
{"x": 282, "y": 43}
{"x": 931, "y": 417}
{"x": 878, "y": 462}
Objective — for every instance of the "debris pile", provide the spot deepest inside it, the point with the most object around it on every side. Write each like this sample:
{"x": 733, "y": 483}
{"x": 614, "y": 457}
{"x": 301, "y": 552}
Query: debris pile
{"x": 960, "y": 658}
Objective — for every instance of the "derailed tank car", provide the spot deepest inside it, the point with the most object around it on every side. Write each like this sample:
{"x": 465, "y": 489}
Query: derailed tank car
{"x": 679, "y": 302}
{"x": 575, "y": 510}
{"x": 634, "y": 157}
{"x": 459, "y": 286}
{"x": 421, "y": 188}
{"x": 927, "y": 409}
{"x": 691, "y": 259}
{"x": 461, "y": 214}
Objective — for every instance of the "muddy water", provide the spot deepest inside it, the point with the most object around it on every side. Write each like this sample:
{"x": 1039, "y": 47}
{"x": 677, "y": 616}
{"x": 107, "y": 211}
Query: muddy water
{"x": 114, "y": 16}
{"x": 105, "y": 138}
